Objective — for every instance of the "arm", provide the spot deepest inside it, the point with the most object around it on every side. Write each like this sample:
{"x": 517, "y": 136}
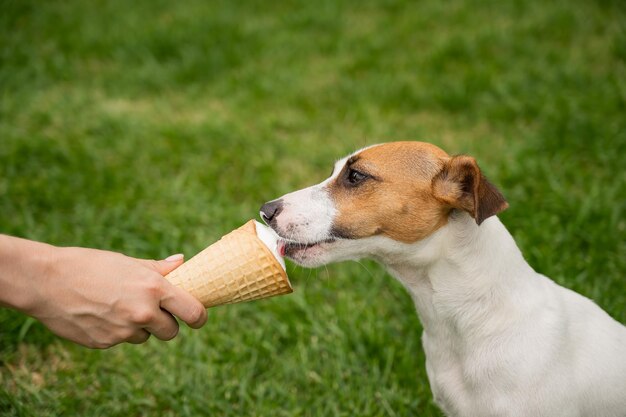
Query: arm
{"x": 93, "y": 297}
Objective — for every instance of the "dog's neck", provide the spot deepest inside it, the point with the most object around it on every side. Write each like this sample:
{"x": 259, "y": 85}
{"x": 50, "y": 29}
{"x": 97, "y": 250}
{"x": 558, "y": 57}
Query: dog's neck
{"x": 463, "y": 275}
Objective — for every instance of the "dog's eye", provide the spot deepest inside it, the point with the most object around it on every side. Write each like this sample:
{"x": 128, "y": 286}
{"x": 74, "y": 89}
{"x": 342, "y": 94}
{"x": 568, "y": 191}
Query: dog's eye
{"x": 355, "y": 177}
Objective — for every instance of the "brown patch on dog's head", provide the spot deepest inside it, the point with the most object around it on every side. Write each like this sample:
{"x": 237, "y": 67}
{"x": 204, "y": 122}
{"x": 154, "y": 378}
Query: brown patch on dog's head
{"x": 406, "y": 190}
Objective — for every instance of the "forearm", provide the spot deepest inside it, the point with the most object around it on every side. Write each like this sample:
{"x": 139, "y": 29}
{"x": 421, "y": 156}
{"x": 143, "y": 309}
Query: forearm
{"x": 22, "y": 265}
{"x": 93, "y": 297}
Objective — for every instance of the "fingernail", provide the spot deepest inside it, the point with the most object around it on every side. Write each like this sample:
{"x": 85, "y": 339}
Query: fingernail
{"x": 175, "y": 258}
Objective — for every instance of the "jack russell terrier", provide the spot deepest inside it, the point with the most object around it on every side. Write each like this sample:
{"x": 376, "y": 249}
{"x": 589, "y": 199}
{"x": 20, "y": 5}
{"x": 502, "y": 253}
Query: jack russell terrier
{"x": 500, "y": 339}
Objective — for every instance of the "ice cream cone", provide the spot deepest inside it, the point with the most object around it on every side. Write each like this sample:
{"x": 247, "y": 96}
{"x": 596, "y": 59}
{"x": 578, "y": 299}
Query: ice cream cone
{"x": 238, "y": 267}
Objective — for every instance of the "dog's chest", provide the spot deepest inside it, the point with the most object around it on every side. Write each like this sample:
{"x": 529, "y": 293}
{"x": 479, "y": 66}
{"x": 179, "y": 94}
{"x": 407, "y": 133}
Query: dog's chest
{"x": 463, "y": 383}
{"x": 445, "y": 375}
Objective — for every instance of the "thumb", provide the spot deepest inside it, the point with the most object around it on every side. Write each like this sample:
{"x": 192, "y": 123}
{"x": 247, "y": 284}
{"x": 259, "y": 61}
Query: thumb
{"x": 166, "y": 265}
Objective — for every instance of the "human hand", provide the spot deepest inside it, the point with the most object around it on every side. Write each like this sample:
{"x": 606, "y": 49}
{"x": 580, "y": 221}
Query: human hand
{"x": 99, "y": 298}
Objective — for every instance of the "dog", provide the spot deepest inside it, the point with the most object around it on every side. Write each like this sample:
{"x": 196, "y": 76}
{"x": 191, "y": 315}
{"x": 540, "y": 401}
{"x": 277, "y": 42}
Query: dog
{"x": 500, "y": 339}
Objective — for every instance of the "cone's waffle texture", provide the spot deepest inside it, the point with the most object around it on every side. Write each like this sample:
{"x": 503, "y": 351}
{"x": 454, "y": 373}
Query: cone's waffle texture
{"x": 238, "y": 267}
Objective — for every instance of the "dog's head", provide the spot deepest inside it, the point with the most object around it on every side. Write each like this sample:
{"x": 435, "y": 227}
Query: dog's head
{"x": 399, "y": 192}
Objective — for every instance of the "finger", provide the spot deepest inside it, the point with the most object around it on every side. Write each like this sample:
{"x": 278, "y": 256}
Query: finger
{"x": 164, "y": 266}
{"x": 183, "y": 305}
{"x": 140, "y": 336}
{"x": 163, "y": 326}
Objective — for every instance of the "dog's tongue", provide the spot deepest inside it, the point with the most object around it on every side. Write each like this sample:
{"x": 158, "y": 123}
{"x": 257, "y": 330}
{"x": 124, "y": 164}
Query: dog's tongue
{"x": 270, "y": 238}
{"x": 282, "y": 248}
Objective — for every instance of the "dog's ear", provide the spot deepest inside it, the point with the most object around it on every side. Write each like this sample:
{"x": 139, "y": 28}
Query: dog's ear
{"x": 461, "y": 185}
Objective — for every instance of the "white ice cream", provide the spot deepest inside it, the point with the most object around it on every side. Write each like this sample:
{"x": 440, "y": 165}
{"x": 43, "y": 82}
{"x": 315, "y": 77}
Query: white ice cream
{"x": 270, "y": 238}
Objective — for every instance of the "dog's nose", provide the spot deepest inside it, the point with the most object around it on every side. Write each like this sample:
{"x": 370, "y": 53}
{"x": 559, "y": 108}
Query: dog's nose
{"x": 270, "y": 210}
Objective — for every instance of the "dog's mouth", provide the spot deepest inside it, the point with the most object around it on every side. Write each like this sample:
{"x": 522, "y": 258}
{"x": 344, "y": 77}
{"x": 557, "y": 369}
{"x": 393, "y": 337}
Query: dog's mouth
{"x": 289, "y": 248}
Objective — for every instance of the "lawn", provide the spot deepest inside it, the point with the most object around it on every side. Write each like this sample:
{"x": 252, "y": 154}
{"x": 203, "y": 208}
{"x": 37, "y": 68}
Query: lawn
{"x": 153, "y": 127}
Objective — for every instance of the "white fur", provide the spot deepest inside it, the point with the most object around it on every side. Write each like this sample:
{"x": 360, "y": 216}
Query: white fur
{"x": 500, "y": 339}
{"x": 308, "y": 214}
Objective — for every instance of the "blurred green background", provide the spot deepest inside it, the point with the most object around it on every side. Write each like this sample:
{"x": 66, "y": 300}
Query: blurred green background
{"x": 153, "y": 127}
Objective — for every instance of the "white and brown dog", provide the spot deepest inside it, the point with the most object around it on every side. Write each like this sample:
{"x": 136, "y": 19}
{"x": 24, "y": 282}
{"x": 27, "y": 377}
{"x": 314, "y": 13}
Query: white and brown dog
{"x": 500, "y": 339}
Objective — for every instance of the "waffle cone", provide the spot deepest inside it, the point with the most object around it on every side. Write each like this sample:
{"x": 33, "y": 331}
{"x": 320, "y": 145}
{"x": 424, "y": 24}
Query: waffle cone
{"x": 238, "y": 267}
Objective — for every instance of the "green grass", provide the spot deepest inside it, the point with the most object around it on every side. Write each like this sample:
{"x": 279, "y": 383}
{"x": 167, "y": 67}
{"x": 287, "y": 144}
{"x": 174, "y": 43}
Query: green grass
{"x": 154, "y": 127}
